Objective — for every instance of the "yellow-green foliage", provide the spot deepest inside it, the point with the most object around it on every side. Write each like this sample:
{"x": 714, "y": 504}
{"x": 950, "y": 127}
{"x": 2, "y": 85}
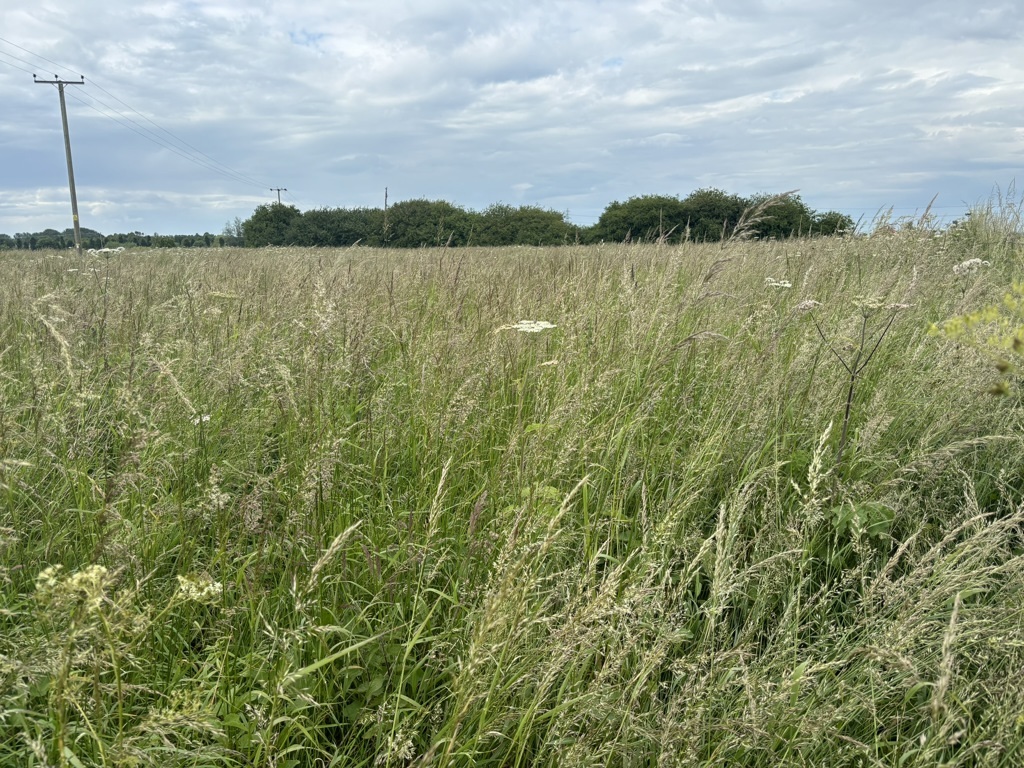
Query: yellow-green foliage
{"x": 998, "y": 329}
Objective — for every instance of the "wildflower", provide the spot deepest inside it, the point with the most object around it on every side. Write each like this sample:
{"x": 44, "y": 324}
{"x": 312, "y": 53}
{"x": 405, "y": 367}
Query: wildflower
{"x": 88, "y": 584}
{"x": 867, "y": 303}
{"x": 199, "y": 589}
{"x": 807, "y": 305}
{"x": 215, "y": 499}
{"x": 897, "y": 307}
{"x": 529, "y": 326}
{"x": 201, "y": 419}
{"x": 771, "y": 282}
{"x": 969, "y": 267}
{"x": 48, "y": 578}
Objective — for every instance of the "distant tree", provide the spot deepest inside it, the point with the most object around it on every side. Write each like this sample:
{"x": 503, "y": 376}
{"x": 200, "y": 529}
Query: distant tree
{"x": 127, "y": 239}
{"x": 234, "y": 228}
{"x": 502, "y": 224}
{"x": 784, "y": 216}
{"x": 337, "y": 227}
{"x": 366, "y": 225}
{"x": 232, "y": 233}
{"x": 90, "y": 237}
{"x": 49, "y": 238}
{"x": 7, "y": 243}
{"x": 268, "y": 225}
{"x": 497, "y": 226}
{"x": 646, "y": 218}
{"x": 711, "y": 213}
{"x": 317, "y": 227}
{"x": 833, "y": 223}
{"x": 415, "y": 223}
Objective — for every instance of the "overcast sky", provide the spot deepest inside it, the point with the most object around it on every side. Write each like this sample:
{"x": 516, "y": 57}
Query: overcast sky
{"x": 564, "y": 104}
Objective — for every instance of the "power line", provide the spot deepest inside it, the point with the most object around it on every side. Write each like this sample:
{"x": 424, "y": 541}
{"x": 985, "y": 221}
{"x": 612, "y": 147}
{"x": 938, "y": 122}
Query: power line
{"x": 33, "y": 53}
{"x": 294, "y": 200}
{"x": 210, "y": 164}
{"x": 155, "y": 139}
{"x": 176, "y": 138}
{"x": 234, "y": 173}
{"x": 16, "y": 58}
{"x": 26, "y": 71}
{"x": 188, "y": 154}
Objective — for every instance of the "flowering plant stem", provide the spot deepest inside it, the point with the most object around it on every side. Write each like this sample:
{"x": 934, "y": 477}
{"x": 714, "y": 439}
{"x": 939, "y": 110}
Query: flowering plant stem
{"x": 854, "y": 368}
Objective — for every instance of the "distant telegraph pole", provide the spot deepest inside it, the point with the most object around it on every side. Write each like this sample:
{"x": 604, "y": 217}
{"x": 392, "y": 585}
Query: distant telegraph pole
{"x": 67, "y": 149}
{"x": 279, "y": 190}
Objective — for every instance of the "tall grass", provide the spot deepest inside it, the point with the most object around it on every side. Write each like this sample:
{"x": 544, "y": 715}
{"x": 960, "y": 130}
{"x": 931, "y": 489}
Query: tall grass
{"x": 325, "y": 508}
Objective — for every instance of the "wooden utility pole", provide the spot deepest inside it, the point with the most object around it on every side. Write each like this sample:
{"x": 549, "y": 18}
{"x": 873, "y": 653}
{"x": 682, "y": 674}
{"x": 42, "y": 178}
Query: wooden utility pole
{"x": 67, "y": 149}
{"x": 279, "y": 190}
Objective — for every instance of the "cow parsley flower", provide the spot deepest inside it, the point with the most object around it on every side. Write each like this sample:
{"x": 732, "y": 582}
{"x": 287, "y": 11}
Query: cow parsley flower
{"x": 969, "y": 267}
{"x": 867, "y": 303}
{"x": 88, "y": 584}
{"x": 771, "y": 282}
{"x": 529, "y": 326}
{"x": 199, "y": 589}
{"x": 48, "y": 578}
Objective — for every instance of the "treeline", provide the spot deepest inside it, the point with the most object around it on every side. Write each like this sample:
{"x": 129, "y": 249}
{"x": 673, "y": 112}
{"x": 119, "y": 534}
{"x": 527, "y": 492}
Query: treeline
{"x": 706, "y": 215}
{"x": 51, "y": 238}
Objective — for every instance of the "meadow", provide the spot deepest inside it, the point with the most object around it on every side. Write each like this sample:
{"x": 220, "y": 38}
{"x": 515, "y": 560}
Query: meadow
{"x": 298, "y": 507}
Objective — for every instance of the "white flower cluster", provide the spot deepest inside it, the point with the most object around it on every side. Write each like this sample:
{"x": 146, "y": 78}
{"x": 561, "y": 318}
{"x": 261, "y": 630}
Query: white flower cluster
{"x": 771, "y": 282}
{"x": 199, "y": 589}
{"x": 969, "y": 267}
{"x": 807, "y": 305}
{"x": 48, "y": 578}
{"x": 868, "y": 303}
{"x": 529, "y": 326}
{"x": 88, "y": 584}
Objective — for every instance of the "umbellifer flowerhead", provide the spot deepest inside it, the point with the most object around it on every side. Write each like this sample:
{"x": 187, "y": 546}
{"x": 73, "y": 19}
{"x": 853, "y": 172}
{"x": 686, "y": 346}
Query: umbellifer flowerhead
{"x": 528, "y": 326}
{"x": 969, "y": 267}
{"x": 199, "y": 589}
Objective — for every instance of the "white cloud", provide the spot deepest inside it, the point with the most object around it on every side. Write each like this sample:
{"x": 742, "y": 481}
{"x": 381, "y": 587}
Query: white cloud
{"x": 859, "y": 105}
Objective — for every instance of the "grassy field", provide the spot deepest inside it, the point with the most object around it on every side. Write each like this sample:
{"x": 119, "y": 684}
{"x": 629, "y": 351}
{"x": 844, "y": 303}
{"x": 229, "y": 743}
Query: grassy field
{"x": 341, "y": 508}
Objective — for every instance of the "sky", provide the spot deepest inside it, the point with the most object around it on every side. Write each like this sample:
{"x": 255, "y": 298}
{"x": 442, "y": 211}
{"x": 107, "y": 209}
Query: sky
{"x": 192, "y": 111}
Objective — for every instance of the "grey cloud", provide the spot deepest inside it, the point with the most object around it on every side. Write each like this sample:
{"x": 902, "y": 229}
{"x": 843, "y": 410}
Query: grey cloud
{"x": 585, "y": 101}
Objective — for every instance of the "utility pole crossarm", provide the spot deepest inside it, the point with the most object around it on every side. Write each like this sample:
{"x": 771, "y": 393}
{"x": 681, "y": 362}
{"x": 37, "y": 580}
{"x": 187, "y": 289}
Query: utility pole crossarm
{"x": 279, "y": 190}
{"x": 67, "y": 149}
{"x": 57, "y": 81}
